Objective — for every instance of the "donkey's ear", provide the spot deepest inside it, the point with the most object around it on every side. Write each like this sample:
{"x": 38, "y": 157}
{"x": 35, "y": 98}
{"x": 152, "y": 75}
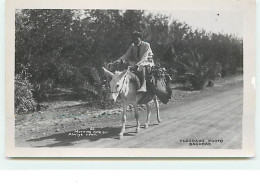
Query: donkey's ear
{"x": 108, "y": 73}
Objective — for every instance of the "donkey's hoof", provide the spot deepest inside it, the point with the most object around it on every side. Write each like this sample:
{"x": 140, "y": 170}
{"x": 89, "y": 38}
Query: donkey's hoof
{"x": 137, "y": 130}
{"x": 146, "y": 125}
{"x": 159, "y": 120}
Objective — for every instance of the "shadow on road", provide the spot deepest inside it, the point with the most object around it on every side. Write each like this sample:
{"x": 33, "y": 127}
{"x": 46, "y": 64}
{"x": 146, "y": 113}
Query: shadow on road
{"x": 184, "y": 88}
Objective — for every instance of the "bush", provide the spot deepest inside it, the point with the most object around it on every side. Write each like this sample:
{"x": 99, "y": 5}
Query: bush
{"x": 90, "y": 83}
{"x": 68, "y": 75}
{"x": 42, "y": 89}
{"x": 198, "y": 69}
{"x": 24, "y": 101}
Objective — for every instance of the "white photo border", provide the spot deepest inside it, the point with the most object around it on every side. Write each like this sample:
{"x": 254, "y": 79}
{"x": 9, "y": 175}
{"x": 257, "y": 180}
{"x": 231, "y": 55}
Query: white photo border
{"x": 248, "y": 121}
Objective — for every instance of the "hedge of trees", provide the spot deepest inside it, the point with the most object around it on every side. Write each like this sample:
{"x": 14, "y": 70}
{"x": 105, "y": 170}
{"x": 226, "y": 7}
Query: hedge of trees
{"x": 66, "y": 48}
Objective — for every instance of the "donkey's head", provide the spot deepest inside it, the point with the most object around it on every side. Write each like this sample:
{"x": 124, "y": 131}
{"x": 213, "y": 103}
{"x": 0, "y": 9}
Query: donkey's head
{"x": 117, "y": 83}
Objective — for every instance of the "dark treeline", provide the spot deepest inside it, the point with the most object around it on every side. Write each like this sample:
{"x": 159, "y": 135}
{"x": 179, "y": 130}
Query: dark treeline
{"x": 66, "y": 48}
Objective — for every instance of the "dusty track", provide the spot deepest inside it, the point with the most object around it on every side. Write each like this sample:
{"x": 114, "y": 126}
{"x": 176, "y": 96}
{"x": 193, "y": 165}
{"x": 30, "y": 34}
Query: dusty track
{"x": 209, "y": 116}
{"x": 216, "y": 118}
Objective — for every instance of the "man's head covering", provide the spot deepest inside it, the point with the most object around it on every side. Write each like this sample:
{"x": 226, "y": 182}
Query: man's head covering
{"x": 137, "y": 34}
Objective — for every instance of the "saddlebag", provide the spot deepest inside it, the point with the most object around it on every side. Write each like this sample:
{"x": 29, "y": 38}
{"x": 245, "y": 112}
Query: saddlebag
{"x": 159, "y": 82}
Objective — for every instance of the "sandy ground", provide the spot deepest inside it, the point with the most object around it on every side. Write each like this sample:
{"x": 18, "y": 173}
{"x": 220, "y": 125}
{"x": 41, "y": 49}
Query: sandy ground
{"x": 193, "y": 119}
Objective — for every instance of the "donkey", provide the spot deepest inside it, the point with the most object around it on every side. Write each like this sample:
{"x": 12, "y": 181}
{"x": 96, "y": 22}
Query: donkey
{"x": 125, "y": 84}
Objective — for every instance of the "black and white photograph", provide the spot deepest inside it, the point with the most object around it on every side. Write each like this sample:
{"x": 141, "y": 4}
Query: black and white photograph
{"x": 125, "y": 78}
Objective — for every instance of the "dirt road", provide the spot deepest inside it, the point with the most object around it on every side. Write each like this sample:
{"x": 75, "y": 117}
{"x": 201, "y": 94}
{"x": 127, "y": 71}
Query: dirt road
{"x": 211, "y": 119}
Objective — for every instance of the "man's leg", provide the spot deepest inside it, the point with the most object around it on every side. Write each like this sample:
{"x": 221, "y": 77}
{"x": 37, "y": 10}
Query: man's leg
{"x": 143, "y": 76}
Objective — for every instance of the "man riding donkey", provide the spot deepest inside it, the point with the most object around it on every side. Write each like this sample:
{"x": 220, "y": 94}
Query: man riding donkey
{"x": 125, "y": 83}
{"x": 139, "y": 55}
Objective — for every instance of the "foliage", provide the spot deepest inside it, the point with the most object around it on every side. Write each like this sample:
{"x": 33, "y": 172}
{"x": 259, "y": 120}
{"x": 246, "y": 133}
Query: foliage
{"x": 158, "y": 71}
{"x": 198, "y": 69}
{"x": 224, "y": 51}
{"x": 65, "y": 47}
{"x": 90, "y": 81}
{"x": 24, "y": 101}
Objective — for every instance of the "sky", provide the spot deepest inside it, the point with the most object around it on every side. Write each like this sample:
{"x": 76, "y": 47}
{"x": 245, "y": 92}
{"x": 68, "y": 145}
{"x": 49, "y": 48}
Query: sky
{"x": 230, "y": 22}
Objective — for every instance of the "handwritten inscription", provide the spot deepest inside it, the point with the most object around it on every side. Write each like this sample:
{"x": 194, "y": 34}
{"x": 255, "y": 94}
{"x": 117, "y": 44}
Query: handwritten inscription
{"x": 90, "y": 132}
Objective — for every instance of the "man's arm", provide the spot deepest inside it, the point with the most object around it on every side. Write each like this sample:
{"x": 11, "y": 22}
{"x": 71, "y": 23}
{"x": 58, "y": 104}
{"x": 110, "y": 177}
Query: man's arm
{"x": 128, "y": 54}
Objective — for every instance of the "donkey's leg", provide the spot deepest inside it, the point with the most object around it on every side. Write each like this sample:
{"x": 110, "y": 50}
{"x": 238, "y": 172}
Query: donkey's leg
{"x": 121, "y": 134}
{"x": 148, "y": 116}
{"x": 137, "y": 118}
{"x": 157, "y": 109}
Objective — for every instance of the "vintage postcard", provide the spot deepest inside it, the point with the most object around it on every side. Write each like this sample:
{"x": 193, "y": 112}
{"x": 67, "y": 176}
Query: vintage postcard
{"x": 130, "y": 78}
